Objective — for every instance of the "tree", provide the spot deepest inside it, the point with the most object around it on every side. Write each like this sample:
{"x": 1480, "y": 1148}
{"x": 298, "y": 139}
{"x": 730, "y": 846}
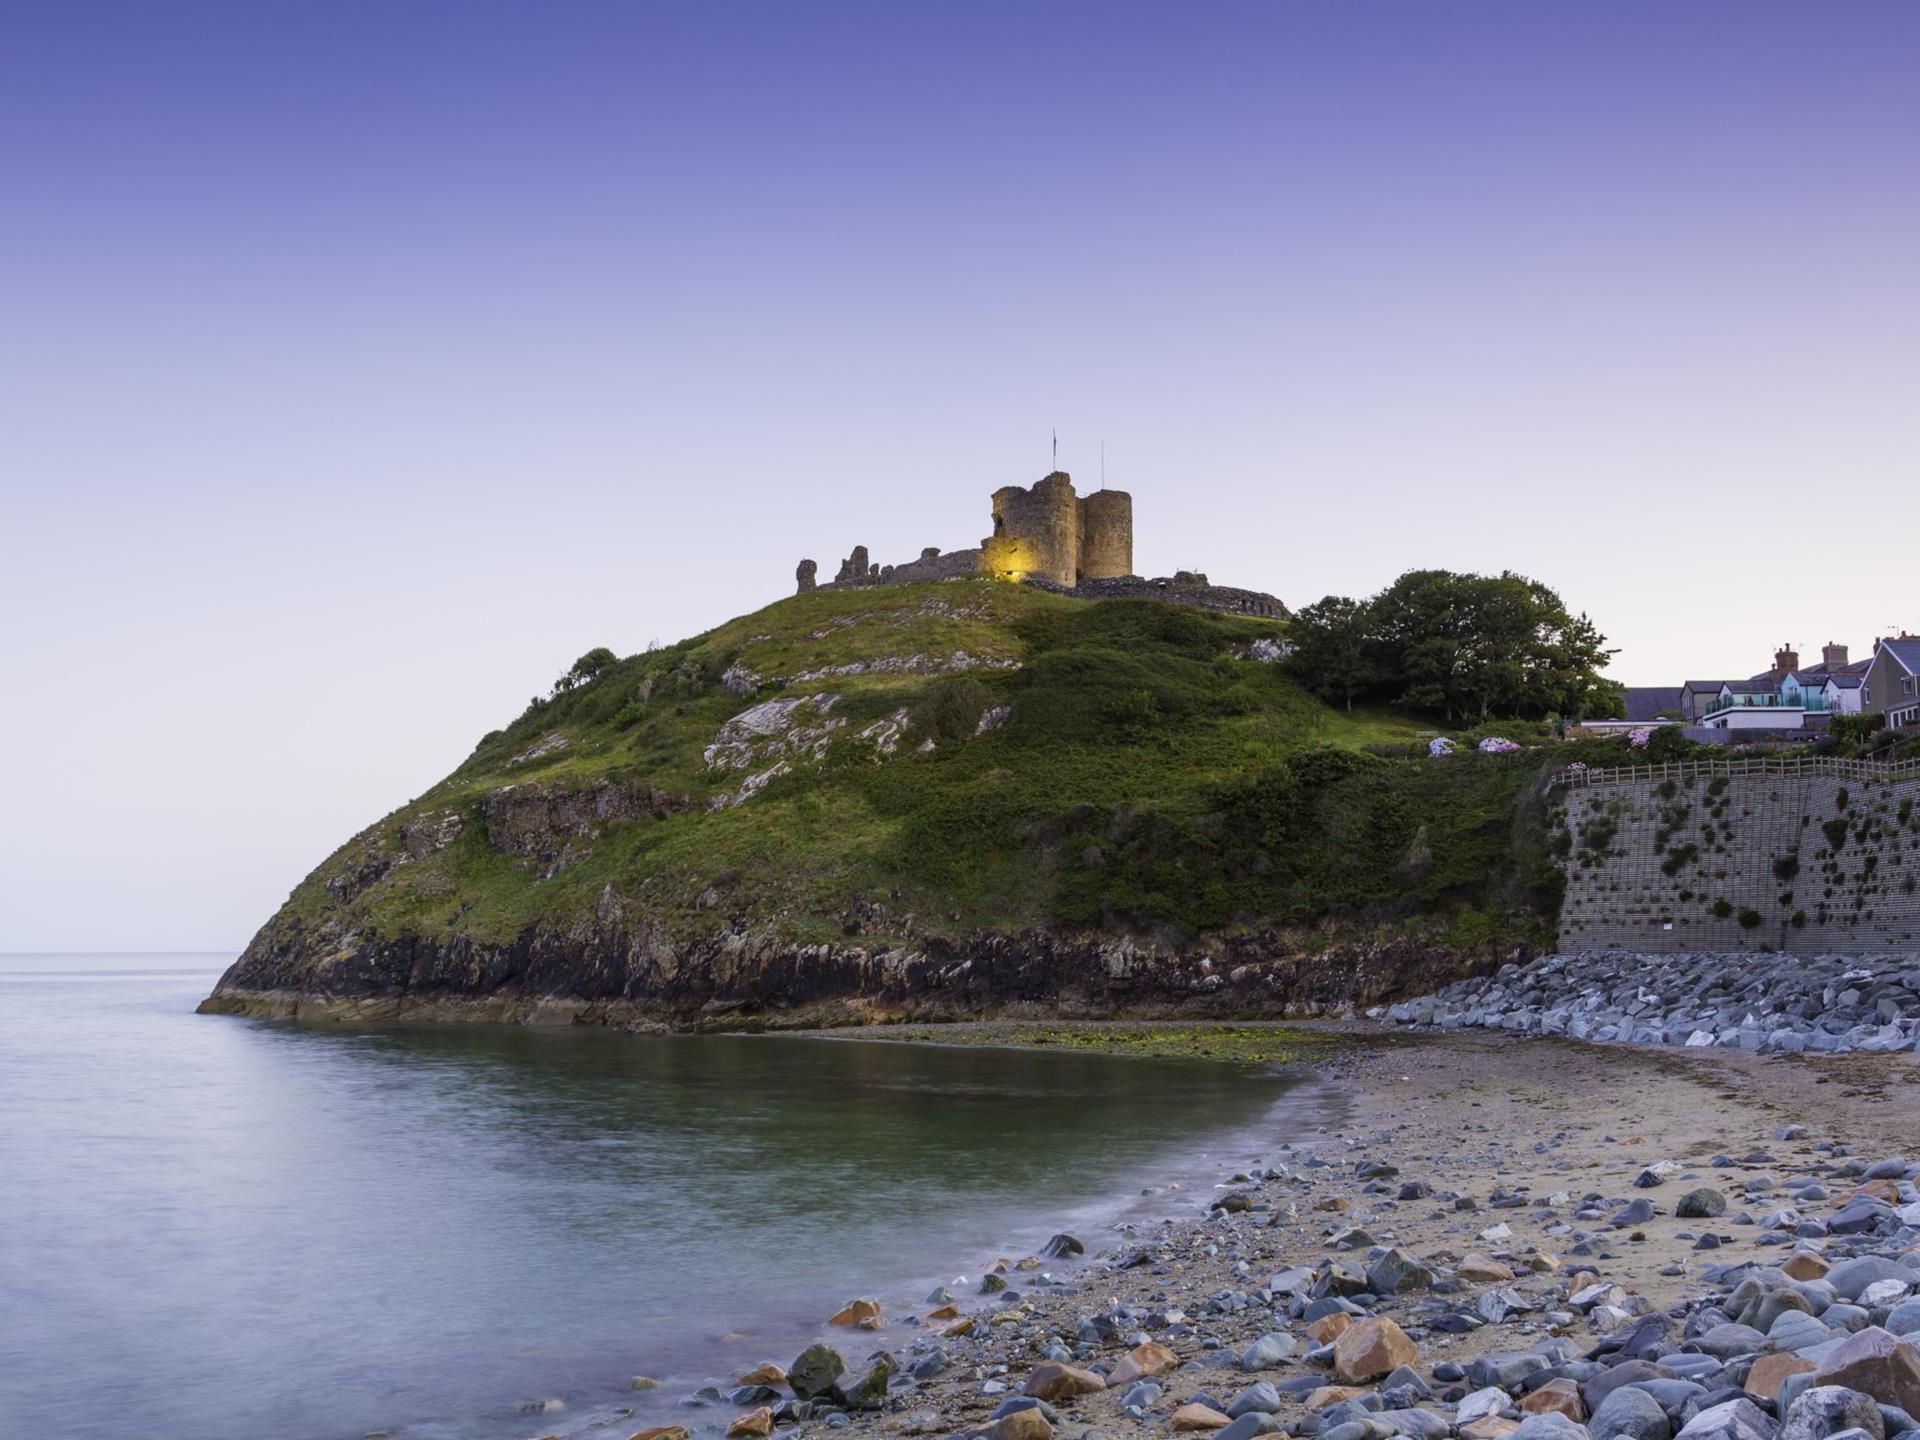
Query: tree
{"x": 1469, "y": 647}
{"x": 585, "y": 669}
{"x": 1332, "y": 643}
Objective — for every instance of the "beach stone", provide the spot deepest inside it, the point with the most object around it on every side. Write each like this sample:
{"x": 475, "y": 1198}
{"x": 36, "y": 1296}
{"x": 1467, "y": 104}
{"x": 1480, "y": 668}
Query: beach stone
{"x": 1482, "y": 1271}
{"x": 1397, "y": 1272}
{"x": 1489, "y": 1427}
{"x": 1559, "y": 1396}
{"x": 1329, "y": 1328}
{"x": 1723, "y": 1342}
{"x": 1904, "y": 1318}
{"x": 643, "y": 1382}
{"x": 1826, "y": 1410}
{"x": 1702, "y": 1204}
{"x": 1549, "y": 1426}
{"x": 1268, "y": 1351}
{"x": 764, "y": 1374}
{"x": 856, "y": 1312}
{"x": 1371, "y": 1348}
{"x": 1028, "y": 1424}
{"x": 1630, "y": 1413}
{"x": 1195, "y": 1416}
{"x": 1054, "y": 1381}
{"x": 1326, "y": 1396}
{"x": 1769, "y": 1372}
{"x": 1261, "y": 1397}
{"x": 934, "y": 1362}
{"x": 816, "y": 1372}
{"x": 1730, "y": 1420}
{"x": 1488, "y": 1400}
{"x": 1143, "y": 1362}
{"x": 1063, "y": 1247}
{"x": 1595, "y": 1391}
{"x": 870, "y": 1390}
{"x": 1637, "y": 1212}
{"x": 754, "y": 1423}
{"x": 1850, "y": 1277}
{"x": 1881, "y": 1364}
{"x": 661, "y": 1432}
{"x": 1504, "y": 1370}
{"x": 1254, "y": 1422}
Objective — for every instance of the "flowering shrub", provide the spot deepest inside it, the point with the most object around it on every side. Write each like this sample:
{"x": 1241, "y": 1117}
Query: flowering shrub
{"x": 1639, "y": 738}
{"x": 1495, "y": 745}
{"x": 1439, "y": 747}
{"x": 1578, "y": 767}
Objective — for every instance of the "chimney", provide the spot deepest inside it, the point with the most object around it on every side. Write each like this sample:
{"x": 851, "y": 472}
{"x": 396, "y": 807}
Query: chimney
{"x": 1833, "y": 656}
{"x": 1786, "y": 660}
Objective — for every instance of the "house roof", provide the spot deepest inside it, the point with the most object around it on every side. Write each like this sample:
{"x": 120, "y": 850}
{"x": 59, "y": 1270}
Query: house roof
{"x": 1703, "y": 687}
{"x": 1906, "y": 650}
{"x": 1846, "y": 682}
{"x": 1759, "y": 685}
{"x": 1645, "y": 702}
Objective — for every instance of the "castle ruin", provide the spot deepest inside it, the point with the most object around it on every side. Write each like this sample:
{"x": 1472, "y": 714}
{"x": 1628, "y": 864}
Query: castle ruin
{"x": 1051, "y": 536}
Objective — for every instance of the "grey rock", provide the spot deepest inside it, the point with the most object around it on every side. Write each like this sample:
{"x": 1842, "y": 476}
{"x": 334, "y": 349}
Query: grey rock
{"x": 1826, "y": 1409}
{"x": 1260, "y": 1397}
{"x": 1630, "y": 1413}
{"x": 1730, "y": 1420}
{"x": 1268, "y": 1351}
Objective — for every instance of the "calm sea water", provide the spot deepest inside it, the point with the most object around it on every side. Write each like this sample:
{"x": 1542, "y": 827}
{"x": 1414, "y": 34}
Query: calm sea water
{"x": 233, "y": 1230}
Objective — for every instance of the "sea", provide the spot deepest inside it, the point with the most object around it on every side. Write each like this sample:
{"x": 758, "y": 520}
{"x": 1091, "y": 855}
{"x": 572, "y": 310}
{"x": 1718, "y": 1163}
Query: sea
{"x": 233, "y": 1229}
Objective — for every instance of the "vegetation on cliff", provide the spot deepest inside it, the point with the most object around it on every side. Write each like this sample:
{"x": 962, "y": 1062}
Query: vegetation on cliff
{"x": 940, "y": 761}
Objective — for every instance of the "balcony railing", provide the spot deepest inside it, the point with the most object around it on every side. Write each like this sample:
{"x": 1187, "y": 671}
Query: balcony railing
{"x": 1806, "y": 700}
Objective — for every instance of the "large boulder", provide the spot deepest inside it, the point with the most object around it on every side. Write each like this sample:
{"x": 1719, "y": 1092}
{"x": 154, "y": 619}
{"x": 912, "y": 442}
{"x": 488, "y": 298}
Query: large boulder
{"x": 1826, "y": 1410}
{"x": 1630, "y": 1413}
{"x": 1878, "y": 1362}
{"x": 1054, "y": 1381}
{"x": 816, "y": 1372}
{"x": 1850, "y": 1277}
{"x": 1371, "y": 1348}
{"x": 1731, "y": 1420}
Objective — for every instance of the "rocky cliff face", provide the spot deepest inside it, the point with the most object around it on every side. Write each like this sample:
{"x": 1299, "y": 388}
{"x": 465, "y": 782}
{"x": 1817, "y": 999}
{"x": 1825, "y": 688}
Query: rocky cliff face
{"x": 617, "y": 971}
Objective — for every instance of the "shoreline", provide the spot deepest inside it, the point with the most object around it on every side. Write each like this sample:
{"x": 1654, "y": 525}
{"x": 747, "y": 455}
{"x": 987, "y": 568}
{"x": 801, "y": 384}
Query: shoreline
{"x": 1482, "y": 1113}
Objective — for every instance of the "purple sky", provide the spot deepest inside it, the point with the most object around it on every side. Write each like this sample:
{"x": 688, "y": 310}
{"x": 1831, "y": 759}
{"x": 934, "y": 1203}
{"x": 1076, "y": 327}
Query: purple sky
{"x": 363, "y": 364}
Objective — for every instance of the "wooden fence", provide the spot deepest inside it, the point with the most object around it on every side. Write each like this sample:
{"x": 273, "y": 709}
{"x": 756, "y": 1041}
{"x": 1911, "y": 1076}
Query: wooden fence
{"x": 1812, "y": 766}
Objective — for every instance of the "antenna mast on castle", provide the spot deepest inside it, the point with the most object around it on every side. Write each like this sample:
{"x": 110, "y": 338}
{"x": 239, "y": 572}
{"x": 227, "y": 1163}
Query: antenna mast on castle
{"x": 1103, "y": 464}
{"x": 1056, "y": 447}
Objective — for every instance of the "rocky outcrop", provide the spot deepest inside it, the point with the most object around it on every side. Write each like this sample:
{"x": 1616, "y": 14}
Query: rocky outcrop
{"x": 615, "y": 971}
{"x": 549, "y": 824}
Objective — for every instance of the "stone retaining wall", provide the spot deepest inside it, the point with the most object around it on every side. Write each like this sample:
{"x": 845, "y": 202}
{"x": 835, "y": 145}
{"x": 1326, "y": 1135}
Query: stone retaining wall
{"x": 1802, "y": 863}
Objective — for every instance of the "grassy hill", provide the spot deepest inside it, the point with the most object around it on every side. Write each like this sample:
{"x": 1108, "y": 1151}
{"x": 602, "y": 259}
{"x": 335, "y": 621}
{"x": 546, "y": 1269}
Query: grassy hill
{"x": 906, "y": 770}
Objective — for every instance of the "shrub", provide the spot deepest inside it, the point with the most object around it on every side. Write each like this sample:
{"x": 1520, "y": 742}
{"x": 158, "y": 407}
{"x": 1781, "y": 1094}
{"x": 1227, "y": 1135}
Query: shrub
{"x": 1721, "y": 908}
{"x": 1749, "y": 919}
{"x": 1836, "y": 833}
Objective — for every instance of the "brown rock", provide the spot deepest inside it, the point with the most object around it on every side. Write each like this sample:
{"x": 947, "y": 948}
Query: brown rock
{"x": 1332, "y": 1202}
{"x": 1804, "y": 1265}
{"x": 1199, "y": 1417}
{"x": 754, "y": 1423}
{"x": 945, "y": 1312}
{"x": 1021, "y": 1425}
{"x": 1371, "y": 1348}
{"x": 1329, "y": 1328}
{"x": 1054, "y": 1381}
{"x": 857, "y": 1312}
{"x": 1764, "y": 1379}
{"x": 767, "y": 1374}
{"x": 962, "y": 1326}
{"x": 1142, "y": 1363}
{"x": 1884, "y": 1190}
{"x": 1332, "y": 1395}
{"x": 1543, "y": 1262}
{"x": 1489, "y": 1427}
{"x": 661, "y": 1432}
{"x": 1560, "y": 1397}
{"x": 1482, "y": 1271}
{"x": 1879, "y": 1363}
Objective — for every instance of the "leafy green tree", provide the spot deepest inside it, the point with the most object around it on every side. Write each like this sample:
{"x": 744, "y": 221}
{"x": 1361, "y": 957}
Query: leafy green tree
{"x": 585, "y": 669}
{"x": 1333, "y": 648}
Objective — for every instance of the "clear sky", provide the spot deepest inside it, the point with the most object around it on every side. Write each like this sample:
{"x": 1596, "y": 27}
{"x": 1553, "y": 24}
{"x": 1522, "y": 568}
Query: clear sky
{"x": 363, "y": 364}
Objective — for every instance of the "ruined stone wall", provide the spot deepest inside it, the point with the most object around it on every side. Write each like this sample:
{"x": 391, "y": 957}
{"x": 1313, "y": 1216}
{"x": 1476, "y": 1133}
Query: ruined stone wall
{"x": 1185, "y": 588}
{"x": 1799, "y": 863}
{"x": 1106, "y": 535}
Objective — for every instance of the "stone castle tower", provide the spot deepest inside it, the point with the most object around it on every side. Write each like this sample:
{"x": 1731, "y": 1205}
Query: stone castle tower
{"x": 1052, "y": 533}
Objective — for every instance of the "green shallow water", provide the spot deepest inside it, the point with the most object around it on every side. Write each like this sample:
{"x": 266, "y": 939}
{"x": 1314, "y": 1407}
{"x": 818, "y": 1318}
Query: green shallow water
{"x": 230, "y": 1229}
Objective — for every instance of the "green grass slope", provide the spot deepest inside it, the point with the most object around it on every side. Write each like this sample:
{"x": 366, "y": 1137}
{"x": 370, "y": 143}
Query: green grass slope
{"x": 1134, "y": 774}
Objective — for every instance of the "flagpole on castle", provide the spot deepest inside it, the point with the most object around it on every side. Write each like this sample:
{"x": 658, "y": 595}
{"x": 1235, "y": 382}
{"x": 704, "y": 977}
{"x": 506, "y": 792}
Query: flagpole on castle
{"x": 1056, "y": 448}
